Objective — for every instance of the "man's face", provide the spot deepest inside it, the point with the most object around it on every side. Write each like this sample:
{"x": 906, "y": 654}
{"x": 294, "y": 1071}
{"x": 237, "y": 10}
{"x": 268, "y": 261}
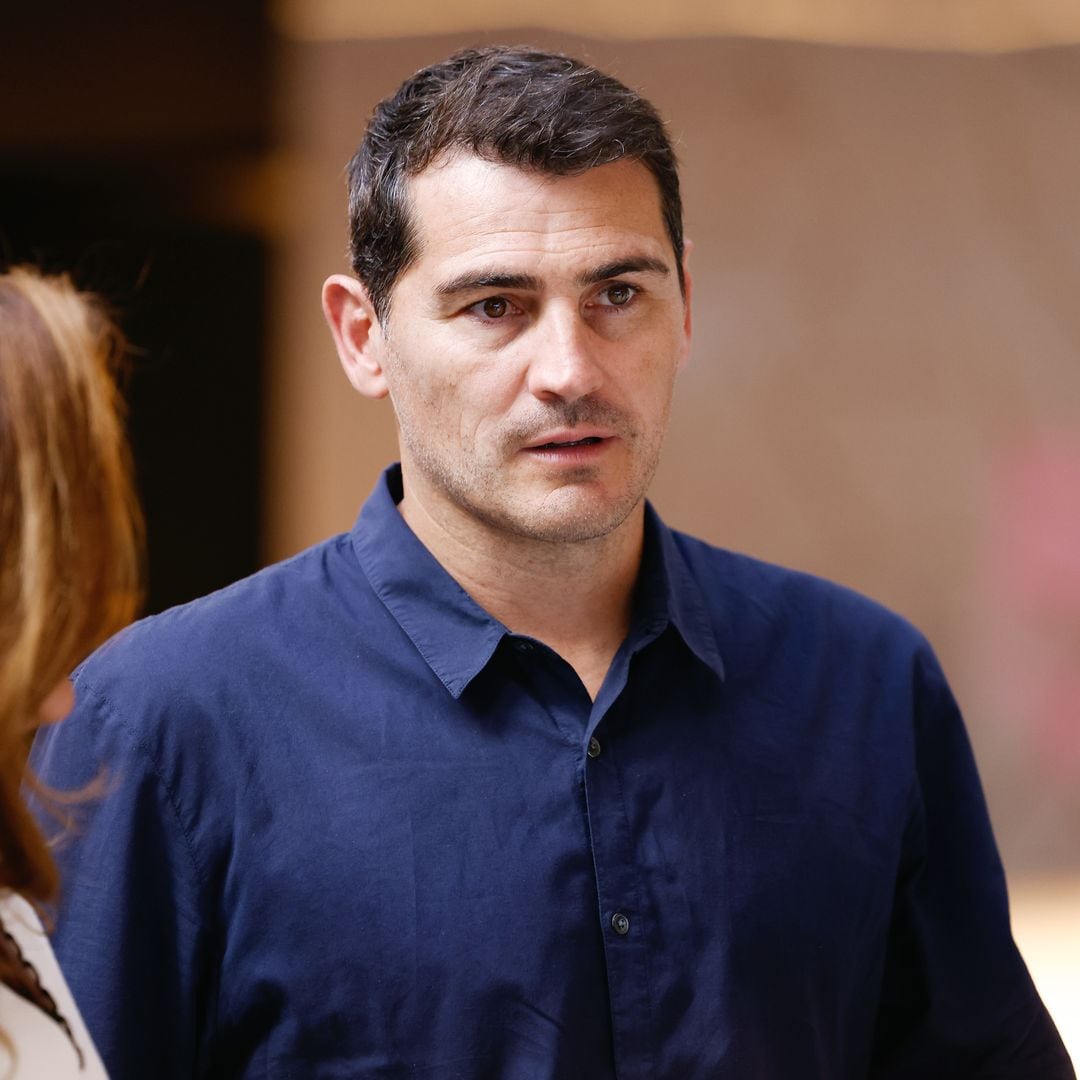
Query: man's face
{"x": 531, "y": 349}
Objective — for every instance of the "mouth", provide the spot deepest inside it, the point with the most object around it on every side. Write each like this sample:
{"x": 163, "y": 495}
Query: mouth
{"x": 559, "y": 449}
{"x": 590, "y": 440}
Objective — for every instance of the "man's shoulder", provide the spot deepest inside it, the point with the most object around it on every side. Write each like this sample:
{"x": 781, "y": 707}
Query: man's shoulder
{"x": 753, "y": 595}
{"x": 184, "y": 699}
{"x": 240, "y": 625}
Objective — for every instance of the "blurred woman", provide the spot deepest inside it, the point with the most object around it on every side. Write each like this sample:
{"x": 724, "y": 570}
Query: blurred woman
{"x": 70, "y": 538}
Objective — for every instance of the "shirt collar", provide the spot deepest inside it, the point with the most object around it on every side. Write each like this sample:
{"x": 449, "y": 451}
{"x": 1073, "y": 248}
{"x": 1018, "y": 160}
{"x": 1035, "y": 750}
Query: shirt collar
{"x": 452, "y": 632}
{"x": 669, "y": 595}
{"x": 457, "y": 637}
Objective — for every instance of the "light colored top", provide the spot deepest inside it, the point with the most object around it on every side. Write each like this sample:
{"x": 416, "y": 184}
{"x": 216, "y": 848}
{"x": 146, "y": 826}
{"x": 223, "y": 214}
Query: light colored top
{"x": 42, "y": 1049}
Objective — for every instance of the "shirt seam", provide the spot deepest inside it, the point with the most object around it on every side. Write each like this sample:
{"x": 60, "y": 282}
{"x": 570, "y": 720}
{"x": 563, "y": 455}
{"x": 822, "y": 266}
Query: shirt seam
{"x": 106, "y": 706}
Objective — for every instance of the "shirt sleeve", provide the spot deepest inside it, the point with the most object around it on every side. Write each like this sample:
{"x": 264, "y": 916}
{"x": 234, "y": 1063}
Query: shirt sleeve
{"x": 957, "y": 999}
{"x": 130, "y": 931}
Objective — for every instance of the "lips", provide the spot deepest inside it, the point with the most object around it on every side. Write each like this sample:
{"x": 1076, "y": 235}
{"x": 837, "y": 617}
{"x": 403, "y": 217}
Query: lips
{"x": 589, "y": 440}
{"x": 570, "y": 438}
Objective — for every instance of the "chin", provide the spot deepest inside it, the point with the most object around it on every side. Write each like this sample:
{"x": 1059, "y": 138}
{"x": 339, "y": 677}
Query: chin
{"x": 577, "y": 520}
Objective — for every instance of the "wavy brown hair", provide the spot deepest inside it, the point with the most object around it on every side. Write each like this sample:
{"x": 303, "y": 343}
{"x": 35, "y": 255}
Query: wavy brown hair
{"x": 70, "y": 528}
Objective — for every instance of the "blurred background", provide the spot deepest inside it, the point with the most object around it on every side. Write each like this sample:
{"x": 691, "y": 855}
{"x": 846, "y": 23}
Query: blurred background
{"x": 885, "y": 384}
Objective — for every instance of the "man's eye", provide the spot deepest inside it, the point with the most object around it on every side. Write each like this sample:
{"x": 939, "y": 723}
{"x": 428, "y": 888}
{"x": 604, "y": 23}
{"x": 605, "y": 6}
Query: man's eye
{"x": 619, "y": 295}
{"x": 494, "y": 307}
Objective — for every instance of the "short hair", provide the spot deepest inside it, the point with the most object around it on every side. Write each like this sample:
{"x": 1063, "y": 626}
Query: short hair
{"x": 70, "y": 529}
{"x": 516, "y": 106}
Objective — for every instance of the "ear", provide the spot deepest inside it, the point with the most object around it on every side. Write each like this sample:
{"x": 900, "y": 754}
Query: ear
{"x": 357, "y": 334}
{"x": 688, "y": 279}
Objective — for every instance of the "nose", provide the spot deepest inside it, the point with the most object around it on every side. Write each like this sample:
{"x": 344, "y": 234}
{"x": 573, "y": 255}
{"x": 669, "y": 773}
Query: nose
{"x": 563, "y": 360}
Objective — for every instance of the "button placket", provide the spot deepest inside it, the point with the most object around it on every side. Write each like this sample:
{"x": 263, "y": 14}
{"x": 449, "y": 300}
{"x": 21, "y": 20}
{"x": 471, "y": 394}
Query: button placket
{"x": 625, "y": 942}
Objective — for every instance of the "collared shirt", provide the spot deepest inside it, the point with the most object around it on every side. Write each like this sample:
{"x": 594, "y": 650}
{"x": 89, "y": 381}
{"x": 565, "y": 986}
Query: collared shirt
{"x": 356, "y": 827}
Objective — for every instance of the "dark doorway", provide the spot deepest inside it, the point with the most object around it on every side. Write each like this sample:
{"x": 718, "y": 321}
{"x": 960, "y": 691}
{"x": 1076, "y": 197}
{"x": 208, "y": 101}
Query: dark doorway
{"x": 113, "y": 132}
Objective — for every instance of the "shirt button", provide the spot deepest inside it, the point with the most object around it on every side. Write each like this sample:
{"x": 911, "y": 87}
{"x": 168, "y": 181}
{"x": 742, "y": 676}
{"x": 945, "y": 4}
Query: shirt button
{"x": 594, "y": 747}
{"x": 524, "y": 646}
{"x": 620, "y": 924}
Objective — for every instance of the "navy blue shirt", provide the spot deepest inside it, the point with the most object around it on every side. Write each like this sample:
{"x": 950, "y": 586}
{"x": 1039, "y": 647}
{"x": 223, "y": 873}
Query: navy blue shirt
{"x": 355, "y": 827}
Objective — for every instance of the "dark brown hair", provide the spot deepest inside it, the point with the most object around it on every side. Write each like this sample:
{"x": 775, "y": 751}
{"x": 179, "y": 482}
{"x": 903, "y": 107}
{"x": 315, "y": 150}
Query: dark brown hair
{"x": 516, "y": 106}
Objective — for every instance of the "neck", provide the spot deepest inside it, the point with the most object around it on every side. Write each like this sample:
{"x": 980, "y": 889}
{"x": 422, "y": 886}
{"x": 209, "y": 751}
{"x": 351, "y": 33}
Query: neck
{"x": 575, "y": 597}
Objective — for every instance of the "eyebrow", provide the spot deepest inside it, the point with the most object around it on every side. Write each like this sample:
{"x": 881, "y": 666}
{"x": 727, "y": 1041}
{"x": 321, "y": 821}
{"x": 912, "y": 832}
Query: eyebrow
{"x": 635, "y": 265}
{"x": 472, "y": 281}
{"x": 469, "y": 282}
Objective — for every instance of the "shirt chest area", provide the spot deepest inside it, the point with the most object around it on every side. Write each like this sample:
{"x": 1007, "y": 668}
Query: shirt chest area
{"x": 515, "y": 874}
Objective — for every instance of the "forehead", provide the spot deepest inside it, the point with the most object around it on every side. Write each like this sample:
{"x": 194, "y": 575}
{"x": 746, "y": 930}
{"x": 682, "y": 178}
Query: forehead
{"x": 466, "y": 211}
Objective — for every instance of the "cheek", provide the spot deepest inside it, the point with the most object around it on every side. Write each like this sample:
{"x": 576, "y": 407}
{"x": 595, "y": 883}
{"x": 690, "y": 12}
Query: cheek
{"x": 456, "y": 392}
{"x": 482, "y": 415}
{"x": 480, "y": 400}
{"x": 652, "y": 380}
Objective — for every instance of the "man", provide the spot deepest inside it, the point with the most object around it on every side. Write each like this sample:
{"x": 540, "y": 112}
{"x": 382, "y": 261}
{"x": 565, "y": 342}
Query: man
{"x": 512, "y": 780}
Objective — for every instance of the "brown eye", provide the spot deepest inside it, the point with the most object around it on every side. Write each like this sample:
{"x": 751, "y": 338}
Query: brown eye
{"x": 619, "y": 294}
{"x": 494, "y": 307}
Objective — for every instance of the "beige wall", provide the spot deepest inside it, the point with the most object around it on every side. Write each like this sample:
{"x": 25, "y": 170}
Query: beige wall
{"x": 888, "y": 265}
{"x": 971, "y": 25}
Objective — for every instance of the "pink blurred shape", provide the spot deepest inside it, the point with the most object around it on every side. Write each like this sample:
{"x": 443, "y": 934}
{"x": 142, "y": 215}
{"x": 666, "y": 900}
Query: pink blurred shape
{"x": 1036, "y": 526}
{"x": 1034, "y": 589}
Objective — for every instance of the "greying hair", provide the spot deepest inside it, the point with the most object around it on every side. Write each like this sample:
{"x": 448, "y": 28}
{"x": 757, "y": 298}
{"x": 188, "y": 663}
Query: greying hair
{"x": 516, "y": 106}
